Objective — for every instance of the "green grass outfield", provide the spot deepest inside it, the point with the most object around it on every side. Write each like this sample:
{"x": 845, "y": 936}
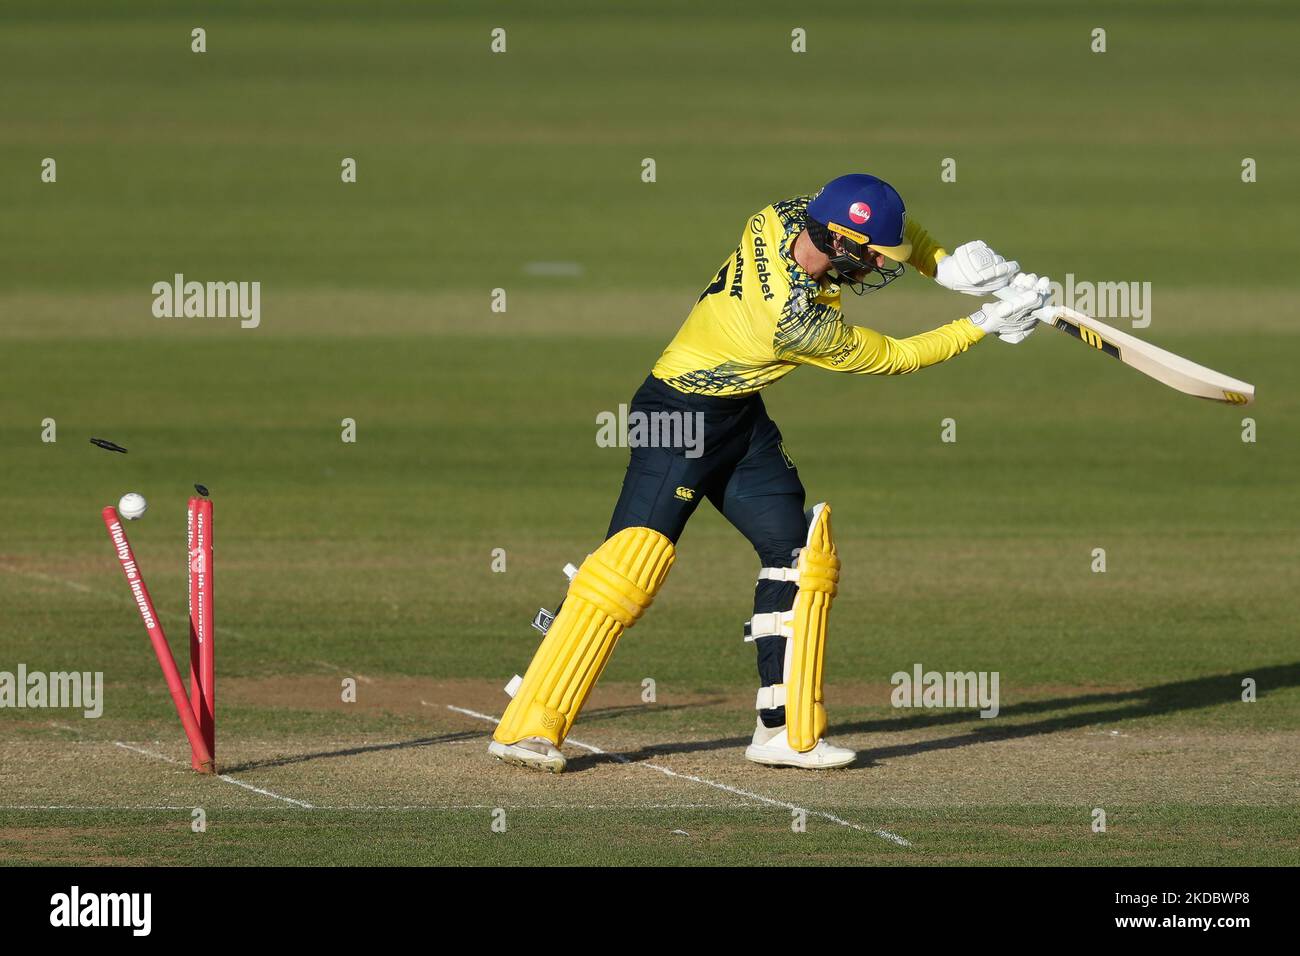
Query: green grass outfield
{"x": 476, "y": 430}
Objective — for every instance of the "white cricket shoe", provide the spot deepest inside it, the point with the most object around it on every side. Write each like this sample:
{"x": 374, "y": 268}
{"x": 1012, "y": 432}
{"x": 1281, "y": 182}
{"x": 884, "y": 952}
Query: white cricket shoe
{"x": 537, "y": 753}
{"x": 772, "y": 747}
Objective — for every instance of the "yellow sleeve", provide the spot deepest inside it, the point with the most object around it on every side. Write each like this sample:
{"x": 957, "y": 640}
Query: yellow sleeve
{"x": 852, "y": 348}
{"x": 926, "y": 251}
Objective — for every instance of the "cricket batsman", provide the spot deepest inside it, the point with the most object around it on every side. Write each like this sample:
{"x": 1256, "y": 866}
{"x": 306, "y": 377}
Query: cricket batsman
{"x": 773, "y": 306}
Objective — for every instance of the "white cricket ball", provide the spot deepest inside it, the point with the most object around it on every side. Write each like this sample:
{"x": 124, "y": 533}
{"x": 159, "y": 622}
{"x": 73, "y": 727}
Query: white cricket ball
{"x": 131, "y": 506}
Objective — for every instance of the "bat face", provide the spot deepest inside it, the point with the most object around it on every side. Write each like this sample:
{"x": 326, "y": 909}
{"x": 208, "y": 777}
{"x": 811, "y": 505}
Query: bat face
{"x": 1173, "y": 370}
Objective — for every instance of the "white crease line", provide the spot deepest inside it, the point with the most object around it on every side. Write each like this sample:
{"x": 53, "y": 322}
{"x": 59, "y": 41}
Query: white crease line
{"x": 266, "y": 793}
{"x": 342, "y": 671}
{"x": 414, "y": 807}
{"x": 771, "y": 801}
{"x": 223, "y": 776}
{"x": 49, "y": 808}
{"x": 533, "y": 806}
{"x": 147, "y": 753}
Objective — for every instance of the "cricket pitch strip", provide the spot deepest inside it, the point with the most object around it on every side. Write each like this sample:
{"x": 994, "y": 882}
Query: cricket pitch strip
{"x": 662, "y": 783}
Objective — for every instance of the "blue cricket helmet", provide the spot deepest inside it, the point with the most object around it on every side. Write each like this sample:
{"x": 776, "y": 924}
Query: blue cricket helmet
{"x": 866, "y": 212}
{"x": 850, "y": 220}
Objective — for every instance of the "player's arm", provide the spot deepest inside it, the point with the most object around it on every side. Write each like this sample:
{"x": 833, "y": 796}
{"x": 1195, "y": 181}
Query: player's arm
{"x": 820, "y": 336}
{"x": 816, "y": 334}
{"x": 972, "y": 267}
{"x": 926, "y": 251}
{"x": 852, "y": 348}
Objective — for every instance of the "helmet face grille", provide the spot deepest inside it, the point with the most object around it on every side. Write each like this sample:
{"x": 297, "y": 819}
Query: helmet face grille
{"x": 871, "y": 277}
{"x": 874, "y": 278}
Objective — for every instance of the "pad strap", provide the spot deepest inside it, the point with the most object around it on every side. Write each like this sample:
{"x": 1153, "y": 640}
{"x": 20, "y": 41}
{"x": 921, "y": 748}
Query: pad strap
{"x": 770, "y": 697}
{"x": 772, "y": 624}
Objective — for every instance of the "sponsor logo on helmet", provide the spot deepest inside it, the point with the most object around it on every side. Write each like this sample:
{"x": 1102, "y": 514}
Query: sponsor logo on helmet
{"x": 859, "y": 212}
{"x": 858, "y": 237}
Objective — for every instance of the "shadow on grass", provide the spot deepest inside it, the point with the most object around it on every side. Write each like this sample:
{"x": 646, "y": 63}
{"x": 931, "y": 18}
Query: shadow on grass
{"x": 1105, "y": 708}
{"x": 603, "y": 713}
{"x": 1015, "y": 720}
{"x": 290, "y": 759}
{"x": 609, "y": 713}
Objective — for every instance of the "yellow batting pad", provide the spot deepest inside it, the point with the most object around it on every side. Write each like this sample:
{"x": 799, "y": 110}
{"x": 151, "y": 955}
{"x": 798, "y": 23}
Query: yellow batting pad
{"x": 819, "y": 575}
{"x": 609, "y": 593}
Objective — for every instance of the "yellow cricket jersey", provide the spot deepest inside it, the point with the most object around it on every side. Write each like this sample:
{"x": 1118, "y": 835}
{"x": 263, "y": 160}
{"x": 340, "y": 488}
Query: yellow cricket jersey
{"x": 764, "y": 315}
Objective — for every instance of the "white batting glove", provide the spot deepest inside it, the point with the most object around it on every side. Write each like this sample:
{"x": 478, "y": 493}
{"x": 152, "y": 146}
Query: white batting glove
{"x": 1011, "y": 318}
{"x": 975, "y": 269}
{"x": 1015, "y": 338}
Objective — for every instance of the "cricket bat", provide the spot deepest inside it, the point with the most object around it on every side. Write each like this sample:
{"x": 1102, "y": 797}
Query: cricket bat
{"x": 1166, "y": 367}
